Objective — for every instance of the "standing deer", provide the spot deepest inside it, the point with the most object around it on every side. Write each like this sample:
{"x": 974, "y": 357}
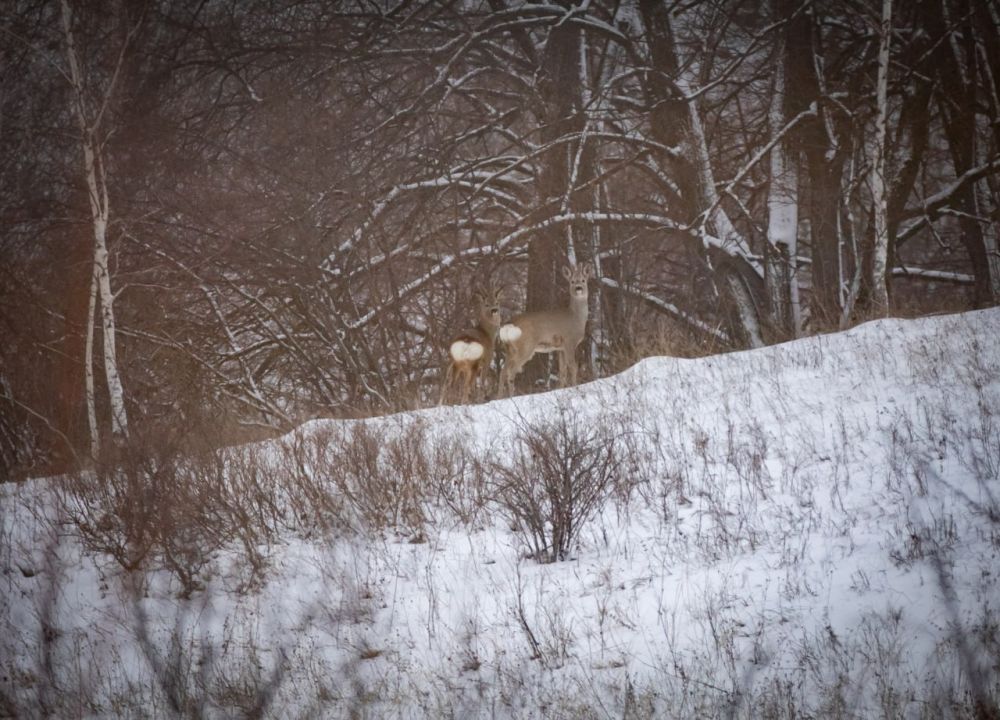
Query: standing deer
{"x": 470, "y": 353}
{"x": 547, "y": 331}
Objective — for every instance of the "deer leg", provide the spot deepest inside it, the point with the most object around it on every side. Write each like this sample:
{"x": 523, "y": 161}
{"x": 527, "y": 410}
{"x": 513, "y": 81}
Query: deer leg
{"x": 470, "y": 384}
{"x": 466, "y": 383}
{"x": 489, "y": 378}
{"x": 504, "y": 388}
{"x": 448, "y": 377}
{"x": 476, "y": 382}
{"x": 511, "y": 369}
{"x": 485, "y": 382}
{"x": 570, "y": 356}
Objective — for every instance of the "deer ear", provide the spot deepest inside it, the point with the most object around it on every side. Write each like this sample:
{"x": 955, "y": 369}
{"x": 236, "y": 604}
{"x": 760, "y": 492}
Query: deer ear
{"x": 567, "y": 273}
{"x": 588, "y": 270}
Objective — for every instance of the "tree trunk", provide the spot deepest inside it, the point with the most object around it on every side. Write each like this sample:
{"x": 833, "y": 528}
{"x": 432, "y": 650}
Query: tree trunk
{"x": 94, "y": 174}
{"x": 88, "y": 372}
{"x": 825, "y": 187}
{"x": 676, "y": 120}
{"x": 116, "y": 393}
{"x": 958, "y": 111}
{"x": 880, "y": 254}
{"x": 547, "y": 251}
{"x": 781, "y": 276}
{"x": 561, "y": 115}
{"x": 823, "y": 153}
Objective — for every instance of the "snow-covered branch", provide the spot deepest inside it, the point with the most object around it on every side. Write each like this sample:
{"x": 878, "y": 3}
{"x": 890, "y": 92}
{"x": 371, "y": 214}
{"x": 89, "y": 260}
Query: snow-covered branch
{"x": 507, "y": 242}
{"x": 911, "y": 271}
{"x": 668, "y": 308}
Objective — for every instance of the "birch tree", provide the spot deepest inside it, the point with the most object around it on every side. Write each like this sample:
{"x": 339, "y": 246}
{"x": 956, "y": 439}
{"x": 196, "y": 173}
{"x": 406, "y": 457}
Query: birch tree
{"x": 783, "y": 210}
{"x": 89, "y": 121}
{"x": 880, "y": 252}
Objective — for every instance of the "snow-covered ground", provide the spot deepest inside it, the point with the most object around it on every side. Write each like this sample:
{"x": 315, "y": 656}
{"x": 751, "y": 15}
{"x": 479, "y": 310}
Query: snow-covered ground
{"x": 809, "y": 529}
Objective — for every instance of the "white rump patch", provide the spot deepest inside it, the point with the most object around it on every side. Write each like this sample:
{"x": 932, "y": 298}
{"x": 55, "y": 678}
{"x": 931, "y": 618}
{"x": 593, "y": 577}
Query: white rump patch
{"x": 510, "y": 333}
{"x": 466, "y": 351}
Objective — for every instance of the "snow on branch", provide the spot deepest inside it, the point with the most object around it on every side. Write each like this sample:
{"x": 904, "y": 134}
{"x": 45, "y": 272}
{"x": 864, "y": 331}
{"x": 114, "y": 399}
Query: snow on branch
{"x": 577, "y": 15}
{"x": 507, "y": 242}
{"x": 442, "y": 181}
{"x": 727, "y": 189}
{"x": 699, "y": 224}
{"x": 927, "y": 274}
{"x": 456, "y": 48}
{"x": 668, "y": 308}
{"x": 937, "y": 204}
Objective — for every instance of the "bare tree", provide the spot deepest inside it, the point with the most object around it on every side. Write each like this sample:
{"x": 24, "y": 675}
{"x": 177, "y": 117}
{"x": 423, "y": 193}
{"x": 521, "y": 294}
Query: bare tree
{"x": 92, "y": 137}
{"x": 880, "y": 255}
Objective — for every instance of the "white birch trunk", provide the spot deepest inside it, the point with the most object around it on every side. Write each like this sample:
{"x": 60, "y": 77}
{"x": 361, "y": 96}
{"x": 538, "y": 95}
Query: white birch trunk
{"x": 116, "y": 393}
{"x": 783, "y": 215}
{"x": 99, "y": 209}
{"x": 746, "y": 310}
{"x": 850, "y": 287}
{"x": 880, "y": 293}
{"x": 88, "y": 371}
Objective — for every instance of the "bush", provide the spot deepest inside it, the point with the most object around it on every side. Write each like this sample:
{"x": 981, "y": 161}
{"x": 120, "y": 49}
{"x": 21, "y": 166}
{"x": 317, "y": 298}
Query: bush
{"x": 362, "y": 477}
{"x": 558, "y": 477}
{"x": 154, "y": 506}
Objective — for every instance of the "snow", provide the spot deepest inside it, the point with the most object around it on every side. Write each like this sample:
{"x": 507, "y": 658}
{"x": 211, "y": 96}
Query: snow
{"x": 815, "y": 522}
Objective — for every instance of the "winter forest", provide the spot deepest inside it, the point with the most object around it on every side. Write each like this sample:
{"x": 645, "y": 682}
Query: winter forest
{"x": 500, "y": 359}
{"x": 224, "y": 218}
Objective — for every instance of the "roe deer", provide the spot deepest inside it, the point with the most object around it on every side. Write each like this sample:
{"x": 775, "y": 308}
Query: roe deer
{"x": 471, "y": 351}
{"x": 547, "y": 331}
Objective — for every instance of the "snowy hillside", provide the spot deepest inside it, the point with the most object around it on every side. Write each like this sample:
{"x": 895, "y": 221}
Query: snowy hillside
{"x": 808, "y": 529}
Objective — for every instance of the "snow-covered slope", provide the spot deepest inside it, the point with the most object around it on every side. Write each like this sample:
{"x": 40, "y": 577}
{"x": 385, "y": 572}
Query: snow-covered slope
{"x": 810, "y": 529}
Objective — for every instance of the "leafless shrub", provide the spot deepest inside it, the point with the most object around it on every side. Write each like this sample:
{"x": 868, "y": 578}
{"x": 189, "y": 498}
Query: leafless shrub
{"x": 248, "y": 492}
{"x": 560, "y": 473}
{"x": 370, "y": 477}
{"x": 362, "y": 477}
{"x": 457, "y": 478}
{"x": 382, "y": 475}
{"x": 115, "y": 509}
{"x": 157, "y": 506}
{"x": 307, "y": 463}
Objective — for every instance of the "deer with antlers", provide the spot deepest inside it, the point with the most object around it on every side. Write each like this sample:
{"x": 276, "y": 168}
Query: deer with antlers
{"x": 470, "y": 352}
{"x": 547, "y": 331}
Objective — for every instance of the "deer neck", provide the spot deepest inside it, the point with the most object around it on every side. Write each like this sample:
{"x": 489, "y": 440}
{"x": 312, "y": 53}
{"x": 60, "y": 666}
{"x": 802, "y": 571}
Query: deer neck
{"x": 578, "y": 308}
{"x": 489, "y": 329}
